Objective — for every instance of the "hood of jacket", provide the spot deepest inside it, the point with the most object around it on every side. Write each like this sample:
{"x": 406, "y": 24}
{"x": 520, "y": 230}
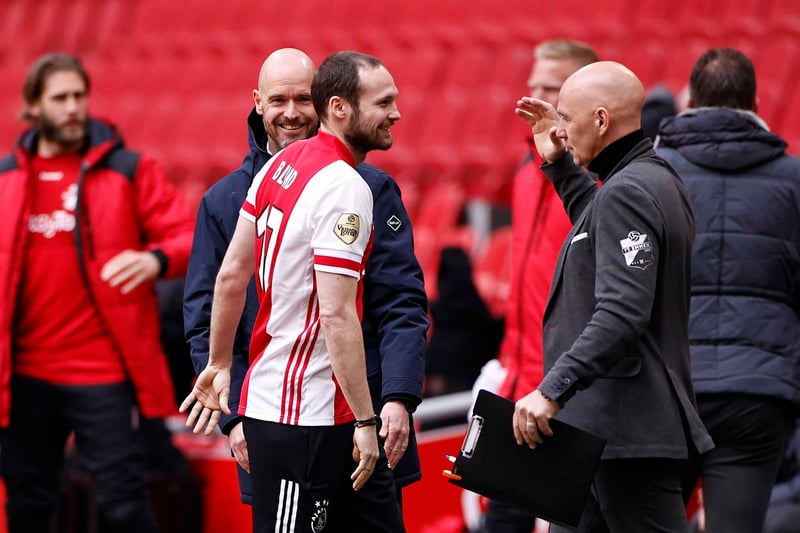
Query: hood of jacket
{"x": 257, "y": 141}
{"x": 721, "y": 138}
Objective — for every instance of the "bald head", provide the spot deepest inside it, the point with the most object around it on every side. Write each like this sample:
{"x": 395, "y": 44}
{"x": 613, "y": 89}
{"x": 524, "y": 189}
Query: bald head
{"x": 285, "y": 63}
{"x": 599, "y": 104}
{"x": 283, "y": 97}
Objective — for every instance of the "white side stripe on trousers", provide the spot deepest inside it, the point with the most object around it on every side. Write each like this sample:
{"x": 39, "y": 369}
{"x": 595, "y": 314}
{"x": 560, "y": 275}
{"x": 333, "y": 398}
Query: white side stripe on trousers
{"x": 287, "y": 507}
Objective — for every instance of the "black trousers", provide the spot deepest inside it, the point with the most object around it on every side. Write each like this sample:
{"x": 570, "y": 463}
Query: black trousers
{"x": 750, "y": 434}
{"x": 504, "y": 517}
{"x": 42, "y": 417}
{"x": 301, "y": 480}
{"x": 634, "y": 495}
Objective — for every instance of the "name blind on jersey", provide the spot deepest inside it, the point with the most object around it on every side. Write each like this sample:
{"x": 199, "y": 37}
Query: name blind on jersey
{"x": 284, "y": 175}
{"x": 346, "y": 227}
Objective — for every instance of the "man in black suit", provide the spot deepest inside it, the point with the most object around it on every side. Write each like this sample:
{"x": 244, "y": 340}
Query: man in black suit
{"x": 616, "y": 350}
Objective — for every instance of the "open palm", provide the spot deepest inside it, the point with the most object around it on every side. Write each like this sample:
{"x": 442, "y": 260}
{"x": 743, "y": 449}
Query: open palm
{"x": 542, "y": 118}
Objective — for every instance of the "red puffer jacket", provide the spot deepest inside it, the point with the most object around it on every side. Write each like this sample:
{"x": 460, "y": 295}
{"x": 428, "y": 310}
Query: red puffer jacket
{"x": 540, "y": 226}
{"x": 125, "y": 201}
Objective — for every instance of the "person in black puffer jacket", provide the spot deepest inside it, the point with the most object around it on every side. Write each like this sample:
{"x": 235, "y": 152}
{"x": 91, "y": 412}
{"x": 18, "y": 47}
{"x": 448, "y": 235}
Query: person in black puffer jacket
{"x": 744, "y": 327}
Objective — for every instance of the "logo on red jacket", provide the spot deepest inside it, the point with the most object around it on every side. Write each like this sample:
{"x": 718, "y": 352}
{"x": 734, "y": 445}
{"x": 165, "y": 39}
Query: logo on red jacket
{"x": 60, "y": 220}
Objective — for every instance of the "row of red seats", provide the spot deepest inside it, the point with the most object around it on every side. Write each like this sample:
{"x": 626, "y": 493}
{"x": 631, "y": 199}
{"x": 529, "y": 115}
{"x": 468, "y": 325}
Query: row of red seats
{"x": 177, "y": 79}
{"x": 655, "y": 17}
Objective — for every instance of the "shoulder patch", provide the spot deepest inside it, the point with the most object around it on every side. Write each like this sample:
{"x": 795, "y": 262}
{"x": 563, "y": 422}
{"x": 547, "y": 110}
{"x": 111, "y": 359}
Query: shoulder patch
{"x": 637, "y": 250}
{"x": 394, "y": 222}
{"x": 347, "y": 227}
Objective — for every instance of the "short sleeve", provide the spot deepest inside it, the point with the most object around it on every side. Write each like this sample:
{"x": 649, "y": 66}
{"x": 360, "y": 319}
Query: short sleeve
{"x": 340, "y": 206}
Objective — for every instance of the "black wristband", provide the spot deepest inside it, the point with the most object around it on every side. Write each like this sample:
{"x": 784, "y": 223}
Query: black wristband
{"x": 368, "y": 422}
{"x": 163, "y": 261}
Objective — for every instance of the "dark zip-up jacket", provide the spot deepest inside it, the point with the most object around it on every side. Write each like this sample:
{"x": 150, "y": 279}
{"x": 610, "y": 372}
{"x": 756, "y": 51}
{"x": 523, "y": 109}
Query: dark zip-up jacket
{"x": 744, "y": 327}
{"x": 395, "y": 320}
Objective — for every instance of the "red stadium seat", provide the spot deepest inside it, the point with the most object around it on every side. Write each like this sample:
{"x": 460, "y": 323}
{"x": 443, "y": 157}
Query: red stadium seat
{"x": 784, "y": 18}
{"x": 776, "y": 62}
{"x": 746, "y": 18}
{"x": 177, "y": 76}
{"x": 440, "y": 207}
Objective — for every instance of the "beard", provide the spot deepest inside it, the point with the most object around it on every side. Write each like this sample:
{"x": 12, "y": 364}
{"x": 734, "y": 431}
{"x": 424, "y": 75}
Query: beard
{"x": 362, "y": 139}
{"x": 283, "y": 139}
{"x": 62, "y": 135}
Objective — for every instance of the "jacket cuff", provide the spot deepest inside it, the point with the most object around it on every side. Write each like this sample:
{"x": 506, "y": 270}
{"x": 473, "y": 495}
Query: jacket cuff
{"x": 410, "y": 401}
{"x": 227, "y": 425}
{"x": 557, "y": 388}
{"x": 162, "y": 260}
{"x": 558, "y": 169}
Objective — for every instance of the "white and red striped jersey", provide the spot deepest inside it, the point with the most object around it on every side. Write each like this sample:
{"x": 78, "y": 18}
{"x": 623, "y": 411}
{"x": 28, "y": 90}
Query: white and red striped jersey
{"x": 313, "y": 213}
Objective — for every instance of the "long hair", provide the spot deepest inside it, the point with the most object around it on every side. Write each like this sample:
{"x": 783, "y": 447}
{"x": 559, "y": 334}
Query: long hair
{"x": 41, "y": 69}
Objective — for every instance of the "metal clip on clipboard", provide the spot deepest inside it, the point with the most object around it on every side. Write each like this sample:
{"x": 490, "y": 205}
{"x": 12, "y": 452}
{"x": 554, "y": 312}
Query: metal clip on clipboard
{"x": 469, "y": 444}
{"x": 471, "y": 438}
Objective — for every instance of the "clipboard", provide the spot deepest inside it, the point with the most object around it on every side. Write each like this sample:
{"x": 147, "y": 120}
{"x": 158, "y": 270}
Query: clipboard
{"x": 552, "y": 480}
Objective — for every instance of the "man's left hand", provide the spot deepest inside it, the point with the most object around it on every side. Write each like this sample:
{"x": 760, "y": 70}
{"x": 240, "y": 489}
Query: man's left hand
{"x": 130, "y": 269}
{"x": 531, "y": 419}
{"x": 395, "y": 429}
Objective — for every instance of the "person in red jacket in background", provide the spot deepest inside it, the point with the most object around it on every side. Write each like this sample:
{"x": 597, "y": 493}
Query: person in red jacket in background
{"x": 86, "y": 227}
{"x": 539, "y": 226}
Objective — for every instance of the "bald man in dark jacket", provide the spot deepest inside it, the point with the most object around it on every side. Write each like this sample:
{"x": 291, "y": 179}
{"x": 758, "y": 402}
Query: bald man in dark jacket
{"x": 616, "y": 351}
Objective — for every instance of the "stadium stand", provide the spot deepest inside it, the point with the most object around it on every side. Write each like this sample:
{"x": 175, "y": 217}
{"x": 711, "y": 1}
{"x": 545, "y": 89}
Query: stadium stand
{"x": 176, "y": 76}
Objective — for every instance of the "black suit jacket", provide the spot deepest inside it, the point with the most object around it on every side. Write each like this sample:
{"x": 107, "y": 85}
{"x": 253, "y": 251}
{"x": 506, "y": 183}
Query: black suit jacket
{"x": 616, "y": 349}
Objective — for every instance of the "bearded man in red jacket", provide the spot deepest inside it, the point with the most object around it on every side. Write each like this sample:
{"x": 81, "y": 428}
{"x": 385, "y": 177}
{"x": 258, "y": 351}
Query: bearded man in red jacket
{"x": 86, "y": 227}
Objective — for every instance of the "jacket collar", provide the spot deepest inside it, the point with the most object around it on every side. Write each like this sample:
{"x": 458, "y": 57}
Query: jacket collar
{"x": 334, "y": 143}
{"x": 256, "y": 134}
{"x": 746, "y": 114}
{"x": 102, "y": 137}
{"x": 615, "y": 155}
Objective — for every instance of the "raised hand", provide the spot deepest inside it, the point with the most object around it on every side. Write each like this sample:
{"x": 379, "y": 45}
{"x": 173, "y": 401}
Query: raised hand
{"x": 543, "y": 119}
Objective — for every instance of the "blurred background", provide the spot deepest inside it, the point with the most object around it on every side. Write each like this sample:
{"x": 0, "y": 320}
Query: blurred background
{"x": 177, "y": 78}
